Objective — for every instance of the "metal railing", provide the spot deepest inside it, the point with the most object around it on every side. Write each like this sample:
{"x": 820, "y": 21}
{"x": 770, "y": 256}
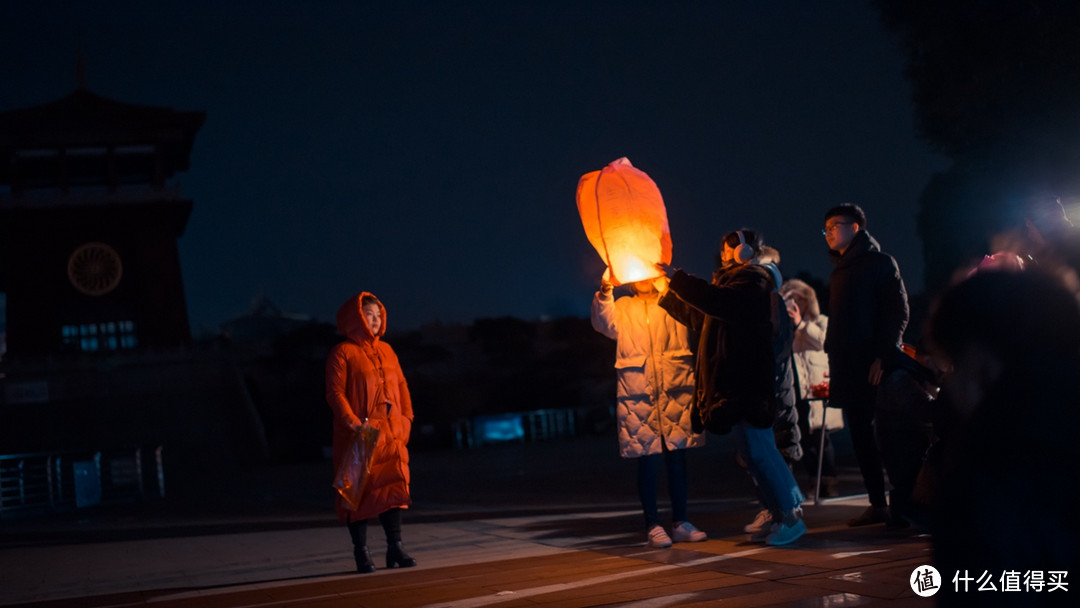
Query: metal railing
{"x": 49, "y": 482}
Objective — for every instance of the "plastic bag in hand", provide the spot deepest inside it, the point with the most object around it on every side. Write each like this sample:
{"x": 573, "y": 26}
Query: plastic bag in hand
{"x": 352, "y": 474}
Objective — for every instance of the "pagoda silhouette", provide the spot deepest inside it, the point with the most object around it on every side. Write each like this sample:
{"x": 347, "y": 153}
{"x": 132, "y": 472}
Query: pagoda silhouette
{"x": 89, "y": 222}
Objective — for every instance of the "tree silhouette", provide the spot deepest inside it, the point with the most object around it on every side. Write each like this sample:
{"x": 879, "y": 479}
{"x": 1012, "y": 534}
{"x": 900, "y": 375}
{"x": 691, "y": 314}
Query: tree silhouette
{"x": 996, "y": 88}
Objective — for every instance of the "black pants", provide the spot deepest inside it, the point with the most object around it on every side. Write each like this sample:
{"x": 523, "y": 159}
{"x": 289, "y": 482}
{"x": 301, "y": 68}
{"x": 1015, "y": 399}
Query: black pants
{"x": 859, "y": 418}
{"x": 391, "y": 523}
{"x": 904, "y": 427}
{"x": 648, "y": 475}
{"x": 903, "y": 448}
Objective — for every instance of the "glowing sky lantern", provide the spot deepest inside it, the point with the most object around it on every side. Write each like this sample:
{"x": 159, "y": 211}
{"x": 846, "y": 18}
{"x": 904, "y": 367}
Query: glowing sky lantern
{"x": 625, "y": 219}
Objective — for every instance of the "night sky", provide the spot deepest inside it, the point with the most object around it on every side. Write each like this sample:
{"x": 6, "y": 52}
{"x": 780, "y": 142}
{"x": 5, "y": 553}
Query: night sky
{"x": 430, "y": 152}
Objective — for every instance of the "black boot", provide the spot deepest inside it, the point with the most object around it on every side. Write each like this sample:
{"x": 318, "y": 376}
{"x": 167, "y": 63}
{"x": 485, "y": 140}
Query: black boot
{"x": 396, "y": 556}
{"x": 364, "y": 564}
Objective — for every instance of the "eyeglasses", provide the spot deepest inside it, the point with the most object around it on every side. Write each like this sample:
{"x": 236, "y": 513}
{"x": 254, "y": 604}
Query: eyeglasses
{"x": 832, "y": 228}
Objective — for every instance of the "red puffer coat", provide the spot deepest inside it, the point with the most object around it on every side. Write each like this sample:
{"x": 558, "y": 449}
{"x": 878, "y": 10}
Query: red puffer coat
{"x": 364, "y": 380}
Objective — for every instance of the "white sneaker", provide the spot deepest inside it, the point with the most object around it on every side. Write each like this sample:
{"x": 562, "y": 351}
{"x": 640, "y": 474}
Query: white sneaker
{"x": 685, "y": 532}
{"x": 658, "y": 538}
{"x": 762, "y": 521}
{"x": 763, "y": 534}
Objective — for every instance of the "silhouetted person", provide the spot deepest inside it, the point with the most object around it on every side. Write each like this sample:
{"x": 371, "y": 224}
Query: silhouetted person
{"x": 656, "y": 390}
{"x": 1010, "y": 341}
{"x": 365, "y": 385}
{"x": 868, "y": 312}
{"x": 904, "y": 429}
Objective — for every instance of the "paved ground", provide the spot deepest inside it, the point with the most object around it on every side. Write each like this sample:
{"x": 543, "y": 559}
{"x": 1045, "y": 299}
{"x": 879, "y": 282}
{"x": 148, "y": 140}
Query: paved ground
{"x": 551, "y": 524}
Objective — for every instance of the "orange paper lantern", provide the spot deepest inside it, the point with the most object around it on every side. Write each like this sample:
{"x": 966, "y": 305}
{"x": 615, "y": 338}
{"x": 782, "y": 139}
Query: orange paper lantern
{"x": 625, "y": 219}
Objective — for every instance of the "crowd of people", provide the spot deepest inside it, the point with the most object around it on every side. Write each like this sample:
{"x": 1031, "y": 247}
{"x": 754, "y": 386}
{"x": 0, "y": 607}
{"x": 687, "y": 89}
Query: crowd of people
{"x": 762, "y": 347}
{"x": 934, "y": 425}
{"x": 956, "y": 436}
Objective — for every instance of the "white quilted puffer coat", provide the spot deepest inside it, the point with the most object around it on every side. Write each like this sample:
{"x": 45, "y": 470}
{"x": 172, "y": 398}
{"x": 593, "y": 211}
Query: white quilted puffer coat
{"x": 656, "y": 374}
{"x": 810, "y": 357}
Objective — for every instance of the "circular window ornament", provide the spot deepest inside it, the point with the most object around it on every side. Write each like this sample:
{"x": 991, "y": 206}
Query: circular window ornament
{"x": 95, "y": 269}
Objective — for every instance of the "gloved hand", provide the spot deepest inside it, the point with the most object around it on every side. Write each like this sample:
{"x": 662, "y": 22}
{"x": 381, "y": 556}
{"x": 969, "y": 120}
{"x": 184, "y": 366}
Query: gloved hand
{"x": 669, "y": 271}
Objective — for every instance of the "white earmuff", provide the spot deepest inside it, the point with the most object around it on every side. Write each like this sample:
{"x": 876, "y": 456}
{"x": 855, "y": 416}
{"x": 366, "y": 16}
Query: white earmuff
{"x": 743, "y": 252}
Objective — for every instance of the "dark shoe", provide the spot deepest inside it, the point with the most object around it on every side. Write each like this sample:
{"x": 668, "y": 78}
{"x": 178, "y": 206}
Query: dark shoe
{"x": 897, "y": 523}
{"x": 872, "y": 515}
{"x": 364, "y": 564}
{"x": 397, "y": 558}
{"x": 830, "y": 487}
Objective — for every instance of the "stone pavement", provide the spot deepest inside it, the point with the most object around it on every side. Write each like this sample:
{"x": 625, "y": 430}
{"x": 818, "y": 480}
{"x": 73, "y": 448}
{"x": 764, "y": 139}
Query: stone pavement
{"x": 523, "y": 525}
{"x": 581, "y": 559}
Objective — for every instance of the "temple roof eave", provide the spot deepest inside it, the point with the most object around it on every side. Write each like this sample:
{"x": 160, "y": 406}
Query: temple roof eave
{"x": 83, "y": 116}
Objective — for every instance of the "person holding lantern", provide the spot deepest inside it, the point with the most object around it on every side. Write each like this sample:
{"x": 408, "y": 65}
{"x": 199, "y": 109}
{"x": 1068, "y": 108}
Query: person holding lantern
{"x": 655, "y": 391}
{"x": 365, "y": 386}
{"x": 735, "y": 372}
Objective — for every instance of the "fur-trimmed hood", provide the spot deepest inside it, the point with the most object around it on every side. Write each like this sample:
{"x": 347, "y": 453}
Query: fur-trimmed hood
{"x": 351, "y": 323}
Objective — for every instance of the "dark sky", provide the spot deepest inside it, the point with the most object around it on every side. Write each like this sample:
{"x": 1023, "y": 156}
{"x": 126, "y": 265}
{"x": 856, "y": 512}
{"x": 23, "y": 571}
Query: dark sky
{"x": 430, "y": 152}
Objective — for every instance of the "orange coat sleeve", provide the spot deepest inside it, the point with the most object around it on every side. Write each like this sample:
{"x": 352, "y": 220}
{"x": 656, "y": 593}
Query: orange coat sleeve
{"x": 337, "y": 385}
{"x": 404, "y": 397}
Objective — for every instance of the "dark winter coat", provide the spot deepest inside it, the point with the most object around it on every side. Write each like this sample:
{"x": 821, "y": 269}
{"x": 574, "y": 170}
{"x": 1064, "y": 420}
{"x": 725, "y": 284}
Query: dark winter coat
{"x": 735, "y": 368}
{"x": 786, "y": 424}
{"x": 868, "y": 311}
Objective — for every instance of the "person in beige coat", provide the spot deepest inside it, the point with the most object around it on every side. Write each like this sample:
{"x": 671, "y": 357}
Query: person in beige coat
{"x": 812, "y": 368}
{"x": 655, "y": 369}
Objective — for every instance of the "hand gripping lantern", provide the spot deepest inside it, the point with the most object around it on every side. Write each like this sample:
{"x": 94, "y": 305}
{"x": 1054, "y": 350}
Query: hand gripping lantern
{"x": 624, "y": 217}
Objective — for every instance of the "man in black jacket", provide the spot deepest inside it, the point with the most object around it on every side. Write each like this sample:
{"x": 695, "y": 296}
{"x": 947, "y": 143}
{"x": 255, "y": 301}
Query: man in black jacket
{"x": 868, "y": 312}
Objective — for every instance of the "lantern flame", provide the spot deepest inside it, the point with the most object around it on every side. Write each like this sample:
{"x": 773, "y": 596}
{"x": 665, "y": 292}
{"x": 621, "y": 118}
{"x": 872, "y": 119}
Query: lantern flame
{"x": 624, "y": 218}
{"x": 633, "y": 268}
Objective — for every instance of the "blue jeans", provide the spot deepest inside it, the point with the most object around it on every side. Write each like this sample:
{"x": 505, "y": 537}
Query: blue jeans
{"x": 648, "y": 474}
{"x": 777, "y": 489}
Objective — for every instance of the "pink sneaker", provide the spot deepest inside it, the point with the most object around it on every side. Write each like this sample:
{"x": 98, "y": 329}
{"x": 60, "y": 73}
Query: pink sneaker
{"x": 685, "y": 532}
{"x": 659, "y": 539}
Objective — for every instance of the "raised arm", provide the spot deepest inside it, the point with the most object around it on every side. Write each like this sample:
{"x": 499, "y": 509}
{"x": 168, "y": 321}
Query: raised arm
{"x": 603, "y": 314}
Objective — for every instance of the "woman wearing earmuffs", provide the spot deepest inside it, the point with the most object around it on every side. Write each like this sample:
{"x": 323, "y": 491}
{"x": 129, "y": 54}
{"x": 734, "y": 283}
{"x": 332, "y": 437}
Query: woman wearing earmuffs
{"x": 734, "y": 372}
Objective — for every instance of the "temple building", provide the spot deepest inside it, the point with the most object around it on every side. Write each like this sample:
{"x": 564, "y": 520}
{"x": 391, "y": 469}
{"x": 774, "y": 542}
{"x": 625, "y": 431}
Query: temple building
{"x": 89, "y": 221}
{"x": 101, "y": 390}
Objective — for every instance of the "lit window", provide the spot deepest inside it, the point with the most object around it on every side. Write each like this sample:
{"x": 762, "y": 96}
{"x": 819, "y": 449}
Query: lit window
{"x": 95, "y": 337}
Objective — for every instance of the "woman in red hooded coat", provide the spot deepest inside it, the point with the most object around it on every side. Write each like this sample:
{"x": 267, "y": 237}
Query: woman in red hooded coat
{"x": 364, "y": 382}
